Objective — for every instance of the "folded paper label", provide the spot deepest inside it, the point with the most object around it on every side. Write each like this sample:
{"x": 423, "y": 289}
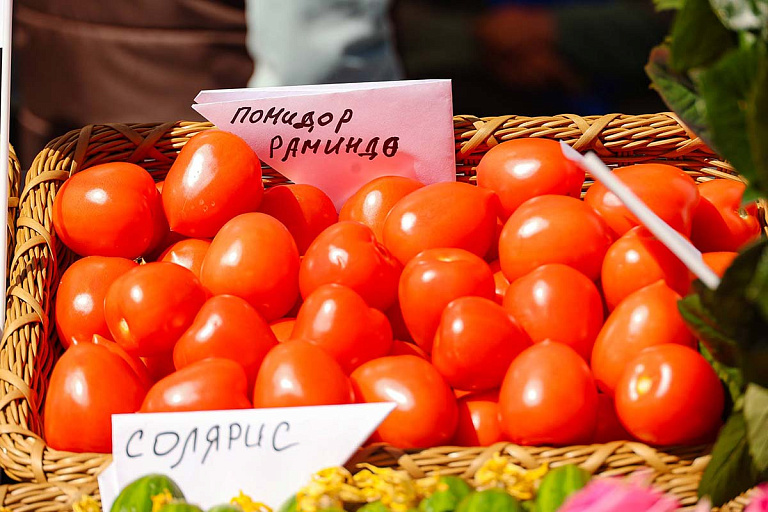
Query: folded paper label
{"x": 213, "y": 455}
{"x": 338, "y": 137}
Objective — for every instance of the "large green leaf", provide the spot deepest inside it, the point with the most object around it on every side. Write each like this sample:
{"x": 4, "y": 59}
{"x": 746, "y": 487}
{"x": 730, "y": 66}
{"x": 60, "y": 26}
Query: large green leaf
{"x": 718, "y": 343}
{"x": 741, "y": 14}
{"x": 731, "y": 377}
{"x": 731, "y": 470}
{"x": 698, "y": 36}
{"x": 756, "y": 418}
{"x": 757, "y": 126}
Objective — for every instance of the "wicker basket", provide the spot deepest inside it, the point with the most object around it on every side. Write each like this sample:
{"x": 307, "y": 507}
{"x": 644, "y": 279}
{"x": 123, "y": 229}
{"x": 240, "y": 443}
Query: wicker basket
{"x": 53, "y": 479}
{"x": 14, "y": 178}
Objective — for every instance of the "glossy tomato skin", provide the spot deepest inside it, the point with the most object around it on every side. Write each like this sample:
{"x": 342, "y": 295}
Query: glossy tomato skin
{"x": 107, "y": 210}
{"x": 519, "y": 169}
{"x": 215, "y": 178}
{"x": 136, "y": 364}
{"x": 426, "y": 413}
{"x": 609, "y": 428}
{"x": 227, "y": 327}
{"x": 189, "y": 253}
{"x": 553, "y": 229}
{"x": 283, "y": 328}
{"x": 645, "y": 318}
{"x": 338, "y": 320}
{"x": 475, "y": 343}
{"x": 720, "y": 223}
{"x": 297, "y": 373}
{"x": 478, "y": 420}
{"x": 404, "y": 348}
{"x": 433, "y": 279}
{"x": 80, "y": 297}
{"x": 548, "y": 397}
{"x": 665, "y": 189}
{"x": 669, "y": 395}
{"x": 304, "y": 209}
{"x": 79, "y": 407}
{"x": 559, "y": 303}
{"x": 159, "y": 366}
{"x": 371, "y": 204}
{"x": 254, "y": 257}
{"x": 501, "y": 281}
{"x": 718, "y": 261}
{"x": 206, "y": 385}
{"x": 348, "y": 253}
{"x": 148, "y": 308}
{"x": 636, "y": 260}
{"x": 442, "y": 215}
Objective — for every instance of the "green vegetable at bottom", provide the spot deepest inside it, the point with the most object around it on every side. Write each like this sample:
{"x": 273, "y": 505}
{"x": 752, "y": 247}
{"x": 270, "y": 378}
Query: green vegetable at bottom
{"x": 137, "y": 496}
{"x": 490, "y": 500}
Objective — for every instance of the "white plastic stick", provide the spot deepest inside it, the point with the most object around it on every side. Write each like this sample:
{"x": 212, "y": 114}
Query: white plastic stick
{"x": 674, "y": 241}
{"x": 5, "y": 116}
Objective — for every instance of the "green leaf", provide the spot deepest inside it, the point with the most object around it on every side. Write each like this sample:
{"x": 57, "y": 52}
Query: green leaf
{"x": 756, "y": 418}
{"x": 719, "y": 344}
{"x": 741, "y": 14}
{"x": 667, "y": 5}
{"x": 731, "y": 470}
{"x": 756, "y": 290}
{"x": 732, "y": 377}
{"x": 757, "y": 127}
{"x": 698, "y": 37}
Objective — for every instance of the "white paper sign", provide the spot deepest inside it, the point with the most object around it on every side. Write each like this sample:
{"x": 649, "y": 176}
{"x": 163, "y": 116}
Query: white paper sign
{"x": 267, "y": 453}
{"x": 338, "y": 137}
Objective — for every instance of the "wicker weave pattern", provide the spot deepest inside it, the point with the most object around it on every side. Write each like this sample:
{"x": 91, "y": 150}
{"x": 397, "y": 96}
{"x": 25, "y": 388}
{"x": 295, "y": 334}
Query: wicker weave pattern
{"x": 30, "y": 346}
{"x": 14, "y": 178}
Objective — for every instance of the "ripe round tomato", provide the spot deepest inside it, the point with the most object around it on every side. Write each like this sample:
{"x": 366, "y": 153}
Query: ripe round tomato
{"x": 159, "y": 366}
{"x": 297, "y": 373}
{"x": 228, "y": 327}
{"x": 426, "y": 414}
{"x": 433, "y": 279}
{"x": 475, "y": 343}
{"x": 348, "y": 253}
{"x": 556, "y": 302}
{"x": 136, "y": 364}
{"x": 339, "y": 321}
{"x": 609, "y": 428}
{"x": 206, "y": 385}
{"x": 478, "y": 420}
{"x": 670, "y": 395}
{"x": 442, "y": 215}
{"x": 79, "y": 406}
{"x": 397, "y": 322}
{"x": 148, "y": 308}
{"x": 371, "y": 204}
{"x": 80, "y": 297}
{"x": 667, "y": 190}
{"x": 645, "y": 318}
{"x": 215, "y": 178}
{"x": 501, "y": 281}
{"x": 718, "y": 261}
{"x": 493, "y": 251}
{"x": 189, "y": 253}
{"x": 255, "y": 258}
{"x": 520, "y": 169}
{"x": 107, "y": 210}
{"x": 405, "y": 348}
{"x": 305, "y": 210}
{"x": 636, "y": 260}
{"x": 720, "y": 223}
{"x": 553, "y": 229}
{"x": 283, "y": 329}
{"x": 548, "y": 397}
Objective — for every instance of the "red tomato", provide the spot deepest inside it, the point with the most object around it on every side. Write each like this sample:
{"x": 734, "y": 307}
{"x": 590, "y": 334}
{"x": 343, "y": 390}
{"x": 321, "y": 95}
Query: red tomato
{"x": 79, "y": 406}
{"x": 297, "y": 373}
{"x": 720, "y": 223}
{"x": 645, "y": 318}
{"x": 609, "y": 428}
{"x": 636, "y": 260}
{"x": 215, "y": 178}
{"x": 404, "y": 348}
{"x": 80, "y": 297}
{"x": 159, "y": 366}
{"x": 397, "y": 322}
{"x": 520, "y": 169}
{"x": 556, "y": 302}
{"x": 228, "y": 327}
{"x": 339, "y": 321}
{"x": 189, "y": 253}
{"x": 478, "y": 420}
{"x": 426, "y": 414}
{"x": 206, "y": 385}
{"x": 283, "y": 328}
{"x": 501, "y": 281}
{"x": 107, "y": 210}
{"x": 718, "y": 261}
{"x": 670, "y": 395}
{"x": 371, "y": 204}
{"x": 148, "y": 308}
{"x": 348, "y": 253}
{"x": 475, "y": 343}
{"x": 493, "y": 251}
{"x": 442, "y": 215}
{"x": 255, "y": 258}
{"x": 433, "y": 279}
{"x": 553, "y": 229}
{"x": 548, "y": 397}
{"x": 667, "y": 190}
{"x": 305, "y": 210}
{"x": 136, "y": 364}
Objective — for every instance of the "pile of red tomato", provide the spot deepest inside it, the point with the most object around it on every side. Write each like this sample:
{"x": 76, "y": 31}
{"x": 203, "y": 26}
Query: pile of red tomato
{"x": 511, "y": 310}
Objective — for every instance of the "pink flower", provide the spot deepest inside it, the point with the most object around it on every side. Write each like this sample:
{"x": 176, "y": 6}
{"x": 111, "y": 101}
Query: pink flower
{"x": 758, "y": 501}
{"x": 632, "y": 494}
